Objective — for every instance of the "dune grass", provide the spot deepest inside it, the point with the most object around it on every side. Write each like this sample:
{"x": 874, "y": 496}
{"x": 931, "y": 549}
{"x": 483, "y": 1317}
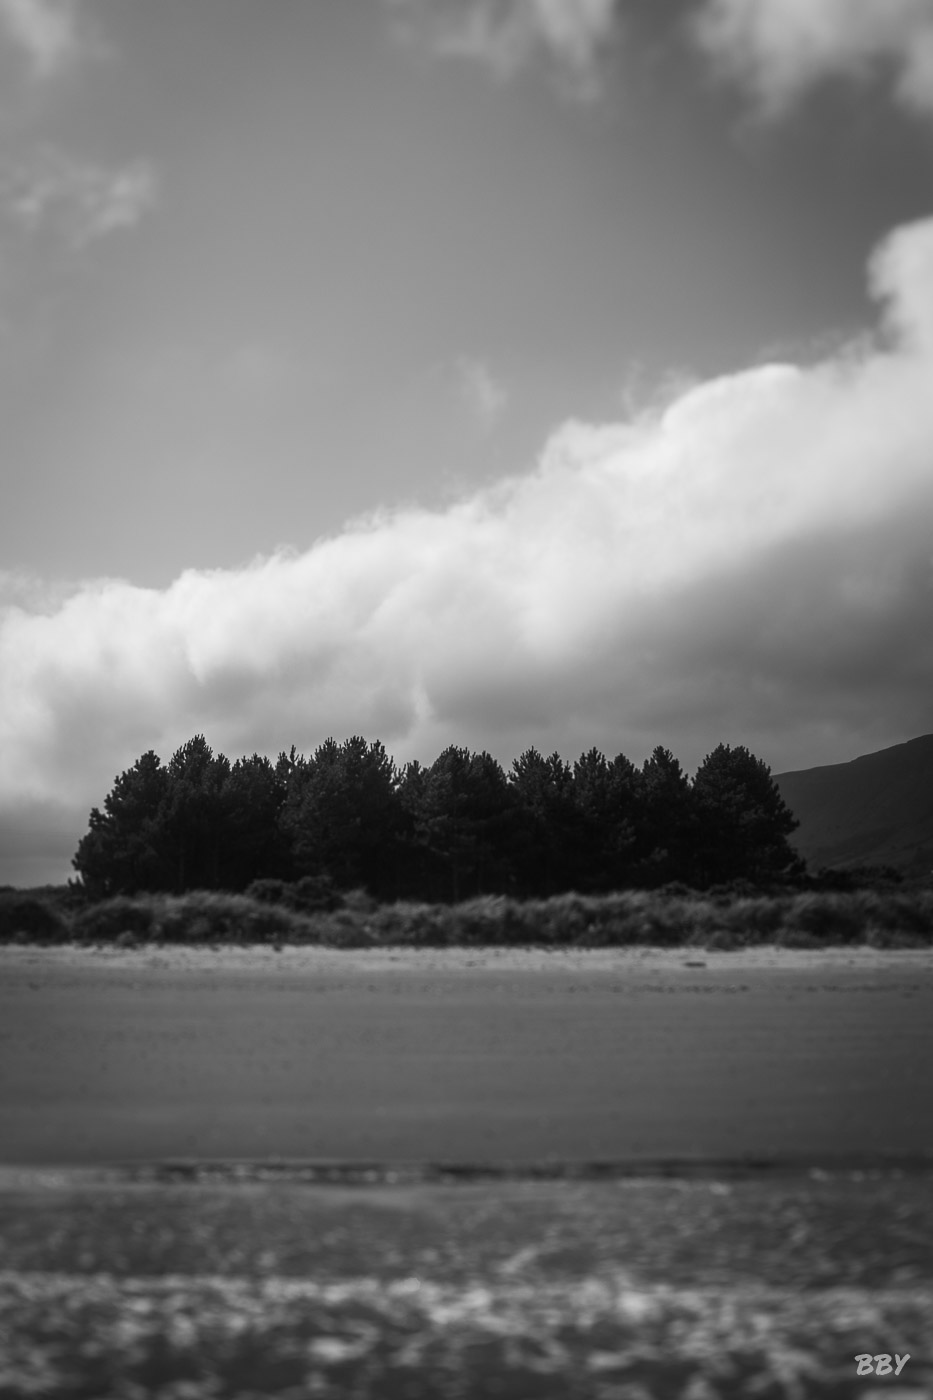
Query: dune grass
{"x": 629, "y": 918}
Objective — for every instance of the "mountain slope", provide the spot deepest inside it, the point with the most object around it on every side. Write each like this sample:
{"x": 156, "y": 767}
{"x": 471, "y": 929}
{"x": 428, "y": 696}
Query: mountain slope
{"x": 876, "y": 810}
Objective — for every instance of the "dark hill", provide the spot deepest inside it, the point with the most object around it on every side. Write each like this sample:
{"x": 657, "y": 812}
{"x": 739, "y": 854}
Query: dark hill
{"x": 876, "y": 810}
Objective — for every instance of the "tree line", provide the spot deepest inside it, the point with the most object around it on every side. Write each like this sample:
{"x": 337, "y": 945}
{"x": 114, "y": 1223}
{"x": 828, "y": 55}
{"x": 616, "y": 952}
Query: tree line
{"x": 348, "y": 816}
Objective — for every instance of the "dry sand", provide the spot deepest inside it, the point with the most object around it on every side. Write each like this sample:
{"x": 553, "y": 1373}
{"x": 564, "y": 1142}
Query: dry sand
{"x": 532, "y": 959}
{"x": 463, "y": 1055}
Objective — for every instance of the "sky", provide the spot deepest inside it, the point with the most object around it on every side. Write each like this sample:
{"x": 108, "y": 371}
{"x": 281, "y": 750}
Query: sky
{"x": 489, "y": 372}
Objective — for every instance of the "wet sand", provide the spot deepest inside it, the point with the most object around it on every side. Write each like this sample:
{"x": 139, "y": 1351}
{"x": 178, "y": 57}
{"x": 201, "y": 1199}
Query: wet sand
{"x": 699, "y": 1290}
{"x": 463, "y": 1055}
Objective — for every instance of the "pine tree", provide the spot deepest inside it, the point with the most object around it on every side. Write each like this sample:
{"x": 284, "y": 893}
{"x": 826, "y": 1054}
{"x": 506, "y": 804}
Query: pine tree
{"x": 549, "y": 839}
{"x": 461, "y": 810}
{"x": 607, "y": 799}
{"x": 254, "y": 846}
{"x": 744, "y": 823}
{"x": 192, "y": 818}
{"x": 342, "y": 814}
{"x": 122, "y": 851}
{"x": 666, "y": 828}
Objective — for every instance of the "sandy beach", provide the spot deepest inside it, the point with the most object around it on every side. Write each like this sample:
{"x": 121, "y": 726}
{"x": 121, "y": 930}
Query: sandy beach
{"x": 463, "y": 1055}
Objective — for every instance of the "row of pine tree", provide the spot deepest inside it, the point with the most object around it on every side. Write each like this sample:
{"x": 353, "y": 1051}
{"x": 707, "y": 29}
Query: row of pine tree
{"x": 461, "y": 827}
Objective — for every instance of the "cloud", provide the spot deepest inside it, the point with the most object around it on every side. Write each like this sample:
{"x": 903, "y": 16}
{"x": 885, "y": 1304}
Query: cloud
{"x": 779, "y": 48}
{"x": 506, "y": 35}
{"x": 750, "y": 563}
{"x": 482, "y": 393}
{"x": 82, "y": 200}
{"x": 46, "y": 32}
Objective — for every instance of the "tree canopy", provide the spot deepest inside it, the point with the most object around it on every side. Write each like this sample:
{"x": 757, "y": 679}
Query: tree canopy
{"x": 347, "y": 817}
{"x": 743, "y": 822}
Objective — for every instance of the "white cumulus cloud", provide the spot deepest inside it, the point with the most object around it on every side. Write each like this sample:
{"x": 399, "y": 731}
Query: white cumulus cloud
{"x": 46, "y": 32}
{"x": 483, "y": 394}
{"x": 751, "y": 564}
{"x": 780, "y": 48}
{"x": 505, "y": 35}
{"x": 81, "y": 199}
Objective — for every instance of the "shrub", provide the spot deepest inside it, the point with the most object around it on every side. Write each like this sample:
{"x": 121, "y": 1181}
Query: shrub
{"x": 358, "y": 902}
{"x": 755, "y": 921}
{"x": 106, "y": 921}
{"x": 30, "y": 919}
{"x": 638, "y": 916}
{"x": 731, "y": 890}
{"x": 311, "y": 894}
{"x": 267, "y": 891}
{"x": 410, "y": 924}
{"x": 722, "y": 940}
{"x": 307, "y": 912}
{"x": 205, "y": 917}
{"x": 877, "y": 937}
{"x": 830, "y": 918}
{"x": 902, "y": 912}
{"x": 857, "y": 877}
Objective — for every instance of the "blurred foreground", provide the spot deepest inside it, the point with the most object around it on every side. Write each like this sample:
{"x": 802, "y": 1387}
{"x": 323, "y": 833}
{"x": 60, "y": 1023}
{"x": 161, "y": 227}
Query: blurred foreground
{"x": 125, "y": 1286}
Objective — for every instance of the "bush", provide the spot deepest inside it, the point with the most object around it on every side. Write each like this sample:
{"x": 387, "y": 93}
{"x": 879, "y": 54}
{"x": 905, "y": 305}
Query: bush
{"x": 906, "y": 913}
{"x": 722, "y": 940}
{"x": 31, "y": 920}
{"x": 877, "y": 937}
{"x": 411, "y": 925}
{"x": 306, "y": 912}
{"x": 857, "y": 877}
{"x": 732, "y": 890}
{"x": 205, "y": 917}
{"x": 108, "y": 920}
{"x": 829, "y": 918}
{"x": 357, "y": 901}
{"x": 757, "y": 920}
{"x": 635, "y": 917}
{"x": 311, "y": 894}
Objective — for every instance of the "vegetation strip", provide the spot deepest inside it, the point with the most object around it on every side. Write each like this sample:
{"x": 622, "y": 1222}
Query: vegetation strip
{"x": 672, "y": 916}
